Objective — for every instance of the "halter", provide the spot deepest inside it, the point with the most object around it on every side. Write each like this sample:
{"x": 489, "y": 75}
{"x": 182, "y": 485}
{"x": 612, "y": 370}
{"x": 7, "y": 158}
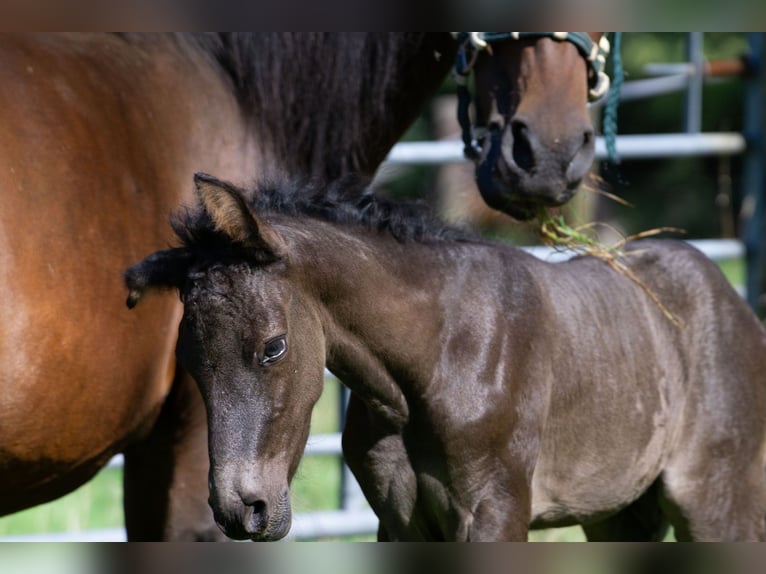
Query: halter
{"x": 471, "y": 43}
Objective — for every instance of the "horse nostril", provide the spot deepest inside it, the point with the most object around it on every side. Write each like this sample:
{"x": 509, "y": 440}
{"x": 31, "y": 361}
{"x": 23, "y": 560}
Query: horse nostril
{"x": 259, "y": 507}
{"x": 587, "y": 137}
{"x": 523, "y": 154}
{"x": 256, "y": 516}
{"x": 581, "y": 160}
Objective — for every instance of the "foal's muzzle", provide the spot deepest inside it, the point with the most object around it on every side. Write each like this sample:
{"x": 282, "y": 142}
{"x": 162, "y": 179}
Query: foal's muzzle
{"x": 252, "y": 516}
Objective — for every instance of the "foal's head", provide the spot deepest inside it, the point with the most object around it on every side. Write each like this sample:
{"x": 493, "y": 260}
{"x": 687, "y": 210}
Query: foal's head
{"x": 244, "y": 322}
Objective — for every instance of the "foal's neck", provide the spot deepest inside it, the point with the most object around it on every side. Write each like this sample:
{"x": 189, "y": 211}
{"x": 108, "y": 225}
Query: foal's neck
{"x": 382, "y": 311}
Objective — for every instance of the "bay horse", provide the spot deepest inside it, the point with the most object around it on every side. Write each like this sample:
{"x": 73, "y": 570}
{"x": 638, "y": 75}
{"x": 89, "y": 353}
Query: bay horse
{"x": 100, "y": 132}
{"x": 493, "y": 392}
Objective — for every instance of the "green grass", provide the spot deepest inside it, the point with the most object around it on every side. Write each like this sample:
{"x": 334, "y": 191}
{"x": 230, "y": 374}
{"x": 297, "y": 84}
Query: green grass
{"x": 98, "y": 504}
{"x": 734, "y": 269}
{"x": 316, "y": 485}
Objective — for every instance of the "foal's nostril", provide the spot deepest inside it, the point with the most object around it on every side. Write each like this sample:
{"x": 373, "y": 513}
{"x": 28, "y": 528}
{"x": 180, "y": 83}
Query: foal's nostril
{"x": 257, "y": 516}
{"x": 259, "y": 507}
{"x": 523, "y": 154}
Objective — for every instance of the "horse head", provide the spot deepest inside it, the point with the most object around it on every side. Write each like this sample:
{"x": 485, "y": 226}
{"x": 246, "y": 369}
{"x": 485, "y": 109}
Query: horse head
{"x": 534, "y": 139}
{"x": 242, "y": 326}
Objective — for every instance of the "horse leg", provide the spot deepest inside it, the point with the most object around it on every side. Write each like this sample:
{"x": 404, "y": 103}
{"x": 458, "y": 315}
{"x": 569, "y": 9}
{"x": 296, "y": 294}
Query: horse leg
{"x": 724, "y": 500}
{"x": 382, "y": 534}
{"x": 641, "y": 521}
{"x": 166, "y": 488}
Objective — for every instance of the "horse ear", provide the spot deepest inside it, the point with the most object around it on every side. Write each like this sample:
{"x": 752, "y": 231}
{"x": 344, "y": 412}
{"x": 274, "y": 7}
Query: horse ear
{"x": 166, "y": 269}
{"x": 231, "y": 215}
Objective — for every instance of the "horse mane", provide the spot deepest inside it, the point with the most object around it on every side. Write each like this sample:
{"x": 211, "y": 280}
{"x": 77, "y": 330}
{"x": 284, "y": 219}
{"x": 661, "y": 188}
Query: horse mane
{"x": 348, "y": 201}
{"x": 313, "y": 63}
{"x": 327, "y": 103}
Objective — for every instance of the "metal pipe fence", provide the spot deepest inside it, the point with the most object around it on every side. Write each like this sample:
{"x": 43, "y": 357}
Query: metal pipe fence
{"x": 639, "y": 146}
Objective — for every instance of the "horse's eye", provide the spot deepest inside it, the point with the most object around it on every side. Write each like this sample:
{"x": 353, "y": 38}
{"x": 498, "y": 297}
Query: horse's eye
{"x": 274, "y": 349}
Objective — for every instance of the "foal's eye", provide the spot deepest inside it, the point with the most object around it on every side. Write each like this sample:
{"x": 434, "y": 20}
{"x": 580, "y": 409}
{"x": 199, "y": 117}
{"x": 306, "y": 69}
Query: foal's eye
{"x": 274, "y": 349}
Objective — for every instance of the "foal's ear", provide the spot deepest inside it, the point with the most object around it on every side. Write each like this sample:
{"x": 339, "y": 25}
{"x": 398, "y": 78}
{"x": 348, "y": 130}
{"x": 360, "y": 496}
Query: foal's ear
{"x": 231, "y": 215}
{"x": 166, "y": 269}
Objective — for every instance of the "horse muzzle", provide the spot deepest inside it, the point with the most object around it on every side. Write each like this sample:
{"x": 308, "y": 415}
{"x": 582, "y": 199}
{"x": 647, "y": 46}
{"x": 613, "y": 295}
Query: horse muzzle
{"x": 253, "y": 516}
{"x": 517, "y": 174}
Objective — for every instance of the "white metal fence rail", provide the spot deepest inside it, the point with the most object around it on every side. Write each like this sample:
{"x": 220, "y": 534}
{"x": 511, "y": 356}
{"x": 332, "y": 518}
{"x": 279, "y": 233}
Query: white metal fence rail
{"x": 641, "y": 146}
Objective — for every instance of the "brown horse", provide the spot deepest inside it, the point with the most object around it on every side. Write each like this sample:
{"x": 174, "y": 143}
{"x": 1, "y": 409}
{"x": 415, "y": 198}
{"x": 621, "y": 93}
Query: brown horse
{"x": 100, "y": 132}
{"x": 491, "y": 391}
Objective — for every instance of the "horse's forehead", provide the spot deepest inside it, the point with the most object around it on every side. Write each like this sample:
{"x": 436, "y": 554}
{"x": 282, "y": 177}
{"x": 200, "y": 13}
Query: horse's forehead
{"x": 248, "y": 291}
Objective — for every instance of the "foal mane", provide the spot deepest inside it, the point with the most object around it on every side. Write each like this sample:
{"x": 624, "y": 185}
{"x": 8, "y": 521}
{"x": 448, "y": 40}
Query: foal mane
{"x": 347, "y": 201}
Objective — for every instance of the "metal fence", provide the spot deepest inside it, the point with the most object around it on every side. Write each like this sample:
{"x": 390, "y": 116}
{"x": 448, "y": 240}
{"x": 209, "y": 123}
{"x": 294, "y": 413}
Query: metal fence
{"x": 354, "y": 518}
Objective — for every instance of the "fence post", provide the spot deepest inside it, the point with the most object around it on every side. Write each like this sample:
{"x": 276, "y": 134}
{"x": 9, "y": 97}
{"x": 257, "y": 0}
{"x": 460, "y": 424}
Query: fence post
{"x": 351, "y": 497}
{"x": 754, "y": 180}
{"x": 693, "y": 108}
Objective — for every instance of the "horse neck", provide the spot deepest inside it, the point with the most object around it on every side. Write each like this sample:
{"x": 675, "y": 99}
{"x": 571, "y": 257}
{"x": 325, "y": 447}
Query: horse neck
{"x": 169, "y": 87}
{"x": 329, "y": 104}
{"x": 380, "y": 306}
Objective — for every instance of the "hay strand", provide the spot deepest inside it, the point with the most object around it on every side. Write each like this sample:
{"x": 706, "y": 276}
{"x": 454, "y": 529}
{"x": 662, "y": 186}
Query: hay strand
{"x": 583, "y": 240}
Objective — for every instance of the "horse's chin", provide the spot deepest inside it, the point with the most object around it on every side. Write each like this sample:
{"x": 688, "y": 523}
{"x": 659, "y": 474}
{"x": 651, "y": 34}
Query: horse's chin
{"x": 272, "y": 534}
{"x": 521, "y": 203}
{"x": 521, "y": 211}
{"x": 240, "y": 525}
{"x": 519, "y": 194}
{"x": 528, "y": 204}
{"x": 276, "y": 530}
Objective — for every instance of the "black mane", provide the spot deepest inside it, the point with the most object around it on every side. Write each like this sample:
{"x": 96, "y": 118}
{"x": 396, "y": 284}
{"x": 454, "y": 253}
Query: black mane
{"x": 347, "y": 201}
{"x": 328, "y": 103}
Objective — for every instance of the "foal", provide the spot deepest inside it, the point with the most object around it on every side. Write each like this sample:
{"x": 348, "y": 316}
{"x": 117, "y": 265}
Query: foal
{"x": 491, "y": 391}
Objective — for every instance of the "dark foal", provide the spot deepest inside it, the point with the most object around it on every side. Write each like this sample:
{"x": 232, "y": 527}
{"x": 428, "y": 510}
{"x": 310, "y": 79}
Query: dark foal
{"x": 120, "y": 122}
{"x": 492, "y": 391}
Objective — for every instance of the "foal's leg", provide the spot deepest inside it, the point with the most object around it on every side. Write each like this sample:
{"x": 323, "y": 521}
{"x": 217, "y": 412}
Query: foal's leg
{"x": 166, "y": 489}
{"x": 382, "y": 534}
{"x": 641, "y": 521}
{"x": 723, "y": 501}
{"x": 715, "y": 480}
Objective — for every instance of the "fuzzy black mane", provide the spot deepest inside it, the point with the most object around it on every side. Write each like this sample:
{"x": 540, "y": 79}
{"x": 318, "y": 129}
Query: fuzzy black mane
{"x": 347, "y": 201}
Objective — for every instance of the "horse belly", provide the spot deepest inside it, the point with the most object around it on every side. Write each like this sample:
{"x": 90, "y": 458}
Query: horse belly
{"x": 80, "y": 375}
{"x": 579, "y": 483}
{"x": 78, "y": 386}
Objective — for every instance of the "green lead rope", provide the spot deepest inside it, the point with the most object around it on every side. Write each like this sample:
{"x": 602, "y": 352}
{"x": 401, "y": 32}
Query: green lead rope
{"x": 613, "y": 100}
